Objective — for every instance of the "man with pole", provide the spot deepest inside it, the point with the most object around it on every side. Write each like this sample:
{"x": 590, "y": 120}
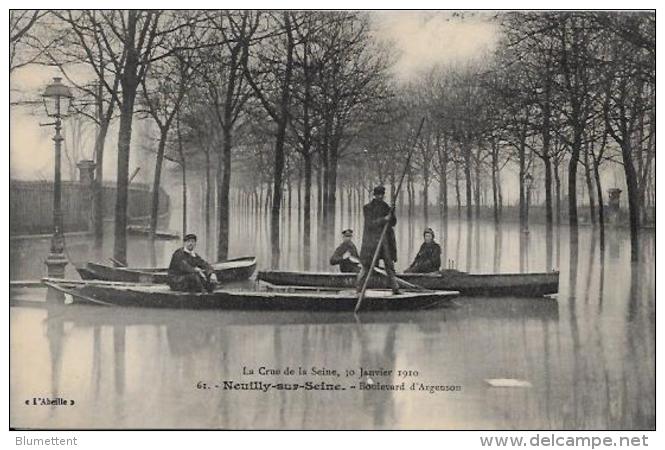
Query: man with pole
{"x": 378, "y": 214}
{"x": 375, "y": 221}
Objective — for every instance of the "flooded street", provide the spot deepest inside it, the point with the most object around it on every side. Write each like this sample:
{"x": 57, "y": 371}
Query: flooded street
{"x": 590, "y": 358}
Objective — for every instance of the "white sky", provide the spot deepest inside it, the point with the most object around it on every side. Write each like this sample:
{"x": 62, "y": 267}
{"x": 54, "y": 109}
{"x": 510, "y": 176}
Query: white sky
{"x": 427, "y": 38}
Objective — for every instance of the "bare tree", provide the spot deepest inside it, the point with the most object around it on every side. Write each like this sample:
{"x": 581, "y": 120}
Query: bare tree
{"x": 228, "y": 92}
{"x": 270, "y": 74}
{"x": 164, "y": 87}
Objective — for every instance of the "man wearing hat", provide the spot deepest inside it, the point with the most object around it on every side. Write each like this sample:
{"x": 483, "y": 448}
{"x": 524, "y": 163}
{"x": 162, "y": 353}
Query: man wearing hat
{"x": 377, "y": 213}
{"x": 428, "y": 258}
{"x": 345, "y": 253}
{"x": 188, "y": 271}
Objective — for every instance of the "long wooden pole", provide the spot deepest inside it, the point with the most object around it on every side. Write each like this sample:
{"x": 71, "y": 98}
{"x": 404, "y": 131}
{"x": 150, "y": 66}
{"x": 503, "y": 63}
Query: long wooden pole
{"x": 361, "y": 296}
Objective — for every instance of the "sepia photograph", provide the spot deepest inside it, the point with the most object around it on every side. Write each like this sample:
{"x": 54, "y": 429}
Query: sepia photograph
{"x": 332, "y": 220}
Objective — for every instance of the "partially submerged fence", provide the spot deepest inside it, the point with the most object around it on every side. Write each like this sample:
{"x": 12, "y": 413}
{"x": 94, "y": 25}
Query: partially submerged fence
{"x": 31, "y": 205}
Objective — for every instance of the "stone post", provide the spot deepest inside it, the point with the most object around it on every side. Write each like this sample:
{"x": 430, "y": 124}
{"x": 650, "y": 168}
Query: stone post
{"x": 613, "y": 205}
{"x": 86, "y": 171}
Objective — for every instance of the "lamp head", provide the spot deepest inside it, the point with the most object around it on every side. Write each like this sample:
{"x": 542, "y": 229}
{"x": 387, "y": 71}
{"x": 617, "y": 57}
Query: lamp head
{"x": 57, "y": 98}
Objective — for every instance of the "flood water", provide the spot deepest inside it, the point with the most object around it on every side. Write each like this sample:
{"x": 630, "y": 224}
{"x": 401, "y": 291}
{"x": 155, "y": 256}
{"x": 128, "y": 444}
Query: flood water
{"x": 589, "y": 358}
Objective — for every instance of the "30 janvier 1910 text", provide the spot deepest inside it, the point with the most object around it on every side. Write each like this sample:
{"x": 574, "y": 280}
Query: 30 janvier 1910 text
{"x": 360, "y": 372}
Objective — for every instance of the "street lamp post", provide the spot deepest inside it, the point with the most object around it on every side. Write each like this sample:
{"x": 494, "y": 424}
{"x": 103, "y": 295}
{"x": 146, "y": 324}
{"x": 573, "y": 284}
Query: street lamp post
{"x": 57, "y": 98}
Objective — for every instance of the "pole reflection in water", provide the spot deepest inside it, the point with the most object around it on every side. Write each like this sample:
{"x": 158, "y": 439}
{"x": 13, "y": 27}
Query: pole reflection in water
{"x": 55, "y": 333}
{"x": 589, "y": 357}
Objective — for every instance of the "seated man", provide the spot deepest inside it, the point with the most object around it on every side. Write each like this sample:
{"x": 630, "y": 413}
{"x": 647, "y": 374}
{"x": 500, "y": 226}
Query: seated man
{"x": 428, "y": 258}
{"x": 344, "y": 253}
{"x": 188, "y": 271}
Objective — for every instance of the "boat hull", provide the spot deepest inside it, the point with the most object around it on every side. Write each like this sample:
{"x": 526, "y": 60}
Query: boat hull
{"x": 145, "y": 231}
{"x": 159, "y": 296}
{"x": 517, "y": 284}
{"x": 237, "y": 269}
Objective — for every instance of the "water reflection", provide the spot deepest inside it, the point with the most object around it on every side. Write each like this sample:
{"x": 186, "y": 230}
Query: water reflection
{"x": 590, "y": 357}
{"x": 110, "y": 356}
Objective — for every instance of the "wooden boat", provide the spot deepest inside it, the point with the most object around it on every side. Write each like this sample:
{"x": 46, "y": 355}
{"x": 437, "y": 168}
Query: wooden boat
{"x": 236, "y": 269}
{"x": 504, "y": 309}
{"x": 469, "y": 284}
{"x": 139, "y": 230}
{"x": 160, "y": 296}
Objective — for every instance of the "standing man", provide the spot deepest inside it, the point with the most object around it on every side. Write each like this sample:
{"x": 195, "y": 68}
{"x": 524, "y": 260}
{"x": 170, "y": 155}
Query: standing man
{"x": 188, "y": 271}
{"x": 377, "y": 213}
{"x": 428, "y": 258}
{"x": 343, "y": 254}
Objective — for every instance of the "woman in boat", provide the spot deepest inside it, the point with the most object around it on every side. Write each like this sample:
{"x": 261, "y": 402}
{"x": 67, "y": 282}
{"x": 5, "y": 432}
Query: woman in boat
{"x": 188, "y": 271}
{"x": 428, "y": 258}
{"x": 345, "y": 253}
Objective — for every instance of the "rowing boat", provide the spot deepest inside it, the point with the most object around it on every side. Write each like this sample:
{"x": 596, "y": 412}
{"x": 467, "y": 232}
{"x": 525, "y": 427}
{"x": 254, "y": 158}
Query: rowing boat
{"x": 145, "y": 231}
{"x": 230, "y": 270}
{"x": 160, "y": 296}
{"x": 468, "y": 284}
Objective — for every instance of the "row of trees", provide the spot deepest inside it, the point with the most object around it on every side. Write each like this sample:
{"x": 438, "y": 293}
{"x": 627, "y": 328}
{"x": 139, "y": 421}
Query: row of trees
{"x": 562, "y": 97}
{"x": 276, "y": 99}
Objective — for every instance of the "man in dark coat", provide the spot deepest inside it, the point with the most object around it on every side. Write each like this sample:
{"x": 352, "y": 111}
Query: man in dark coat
{"x": 377, "y": 213}
{"x": 428, "y": 258}
{"x": 188, "y": 271}
{"x": 344, "y": 253}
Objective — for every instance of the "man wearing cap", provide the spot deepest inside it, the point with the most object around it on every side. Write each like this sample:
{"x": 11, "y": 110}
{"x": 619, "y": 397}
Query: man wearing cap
{"x": 188, "y": 271}
{"x": 345, "y": 253}
{"x": 428, "y": 258}
{"x": 377, "y": 213}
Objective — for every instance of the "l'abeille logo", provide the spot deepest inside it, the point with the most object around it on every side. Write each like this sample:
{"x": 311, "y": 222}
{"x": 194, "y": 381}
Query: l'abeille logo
{"x": 46, "y": 401}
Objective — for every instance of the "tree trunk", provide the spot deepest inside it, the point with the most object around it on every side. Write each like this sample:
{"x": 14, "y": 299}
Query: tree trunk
{"x": 457, "y": 191}
{"x": 633, "y": 198}
{"x": 548, "y": 188}
{"x": 557, "y": 185}
{"x": 601, "y": 208}
{"x": 98, "y": 193}
{"x": 289, "y": 195}
{"x": 589, "y": 184}
{"x": 572, "y": 176}
{"x": 268, "y": 200}
{"x": 129, "y": 83}
{"x": 122, "y": 187}
{"x": 467, "y": 176}
{"x": 285, "y": 96}
{"x": 299, "y": 196}
{"x": 308, "y": 206}
{"x": 426, "y": 195}
{"x": 522, "y": 175}
{"x": 223, "y": 203}
{"x": 495, "y": 196}
{"x": 319, "y": 191}
{"x": 332, "y": 194}
{"x": 208, "y": 200}
{"x": 477, "y": 185}
{"x": 159, "y": 162}
{"x": 184, "y": 198}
